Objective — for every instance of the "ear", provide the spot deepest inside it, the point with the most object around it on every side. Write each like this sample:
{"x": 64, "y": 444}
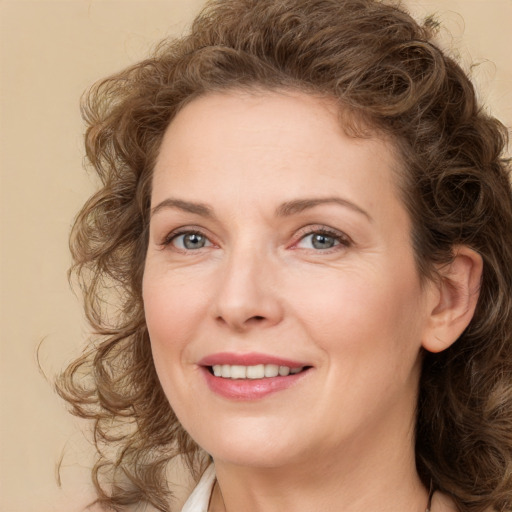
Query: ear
{"x": 453, "y": 299}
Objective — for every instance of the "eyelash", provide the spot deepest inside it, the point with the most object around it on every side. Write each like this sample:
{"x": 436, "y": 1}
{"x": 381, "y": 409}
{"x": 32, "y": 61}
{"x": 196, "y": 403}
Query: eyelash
{"x": 175, "y": 234}
{"x": 343, "y": 241}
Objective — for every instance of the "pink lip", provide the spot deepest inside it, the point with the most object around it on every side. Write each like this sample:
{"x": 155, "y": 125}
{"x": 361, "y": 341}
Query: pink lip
{"x": 249, "y": 389}
{"x": 249, "y": 359}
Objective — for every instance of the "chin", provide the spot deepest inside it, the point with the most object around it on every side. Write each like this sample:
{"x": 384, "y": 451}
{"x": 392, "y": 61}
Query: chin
{"x": 251, "y": 446}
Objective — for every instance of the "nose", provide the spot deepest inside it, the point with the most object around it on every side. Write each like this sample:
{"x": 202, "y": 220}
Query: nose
{"x": 248, "y": 293}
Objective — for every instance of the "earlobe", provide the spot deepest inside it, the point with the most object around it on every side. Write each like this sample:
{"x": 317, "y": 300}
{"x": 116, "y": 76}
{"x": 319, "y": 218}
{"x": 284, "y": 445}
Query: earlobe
{"x": 453, "y": 299}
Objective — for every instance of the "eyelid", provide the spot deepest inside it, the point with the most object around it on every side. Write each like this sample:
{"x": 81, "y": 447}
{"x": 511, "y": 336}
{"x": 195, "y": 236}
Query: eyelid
{"x": 168, "y": 238}
{"x": 343, "y": 239}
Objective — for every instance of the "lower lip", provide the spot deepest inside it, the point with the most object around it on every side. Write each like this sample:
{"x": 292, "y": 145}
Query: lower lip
{"x": 250, "y": 389}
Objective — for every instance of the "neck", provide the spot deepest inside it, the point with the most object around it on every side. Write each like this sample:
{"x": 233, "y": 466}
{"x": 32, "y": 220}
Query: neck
{"x": 365, "y": 474}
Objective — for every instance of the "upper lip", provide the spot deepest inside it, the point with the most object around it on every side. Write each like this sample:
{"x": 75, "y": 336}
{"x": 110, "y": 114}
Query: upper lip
{"x": 248, "y": 359}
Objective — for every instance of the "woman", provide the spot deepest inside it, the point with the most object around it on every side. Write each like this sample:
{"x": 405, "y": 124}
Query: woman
{"x": 306, "y": 221}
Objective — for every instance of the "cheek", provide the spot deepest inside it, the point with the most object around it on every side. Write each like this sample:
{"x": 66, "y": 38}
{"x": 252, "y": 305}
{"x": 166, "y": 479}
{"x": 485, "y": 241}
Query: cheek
{"x": 373, "y": 313}
{"x": 171, "y": 305}
{"x": 173, "y": 311}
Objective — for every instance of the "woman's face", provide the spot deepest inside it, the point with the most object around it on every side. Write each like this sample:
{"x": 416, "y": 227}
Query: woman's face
{"x": 278, "y": 245}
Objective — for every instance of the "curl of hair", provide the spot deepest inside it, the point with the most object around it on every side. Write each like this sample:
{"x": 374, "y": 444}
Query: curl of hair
{"x": 383, "y": 69}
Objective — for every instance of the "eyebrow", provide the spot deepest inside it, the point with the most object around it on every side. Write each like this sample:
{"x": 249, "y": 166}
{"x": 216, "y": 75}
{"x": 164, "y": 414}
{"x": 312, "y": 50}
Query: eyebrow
{"x": 284, "y": 210}
{"x": 299, "y": 205}
{"x": 187, "y": 206}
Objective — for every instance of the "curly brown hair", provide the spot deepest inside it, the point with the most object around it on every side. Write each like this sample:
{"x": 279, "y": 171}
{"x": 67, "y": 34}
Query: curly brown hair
{"x": 383, "y": 69}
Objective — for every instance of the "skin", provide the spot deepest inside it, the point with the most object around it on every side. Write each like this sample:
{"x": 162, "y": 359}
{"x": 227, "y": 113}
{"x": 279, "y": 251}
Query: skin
{"x": 341, "y": 437}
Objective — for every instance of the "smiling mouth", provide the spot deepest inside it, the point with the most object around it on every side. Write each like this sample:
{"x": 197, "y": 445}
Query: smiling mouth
{"x": 258, "y": 371}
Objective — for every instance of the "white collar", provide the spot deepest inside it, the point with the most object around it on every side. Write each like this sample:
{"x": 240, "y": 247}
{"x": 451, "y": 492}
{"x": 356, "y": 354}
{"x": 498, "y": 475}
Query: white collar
{"x": 199, "y": 500}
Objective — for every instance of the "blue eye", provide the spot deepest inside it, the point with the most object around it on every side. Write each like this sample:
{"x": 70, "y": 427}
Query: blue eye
{"x": 322, "y": 240}
{"x": 318, "y": 241}
{"x": 189, "y": 241}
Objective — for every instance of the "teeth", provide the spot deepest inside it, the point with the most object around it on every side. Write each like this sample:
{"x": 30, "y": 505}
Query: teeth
{"x": 237, "y": 372}
{"x": 256, "y": 372}
{"x": 259, "y": 371}
{"x": 271, "y": 370}
{"x": 284, "y": 371}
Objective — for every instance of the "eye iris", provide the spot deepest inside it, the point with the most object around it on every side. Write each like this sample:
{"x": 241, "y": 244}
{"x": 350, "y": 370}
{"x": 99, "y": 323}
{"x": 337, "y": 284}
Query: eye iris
{"x": 193, "y": 241}
{"x": 321, "y": 241}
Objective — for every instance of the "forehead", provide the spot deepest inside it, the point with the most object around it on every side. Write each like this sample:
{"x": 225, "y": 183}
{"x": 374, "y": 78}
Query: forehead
{"x": 269, "y": 143}
{"x": 233, "y": 115}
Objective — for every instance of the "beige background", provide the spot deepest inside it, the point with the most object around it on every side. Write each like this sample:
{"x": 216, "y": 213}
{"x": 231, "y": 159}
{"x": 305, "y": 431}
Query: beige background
{"x": 50, "y": 51}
